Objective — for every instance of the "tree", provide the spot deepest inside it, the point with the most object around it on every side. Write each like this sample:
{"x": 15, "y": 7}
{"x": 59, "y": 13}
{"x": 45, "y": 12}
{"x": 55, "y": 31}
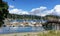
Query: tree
{"x": 3, "y": 11}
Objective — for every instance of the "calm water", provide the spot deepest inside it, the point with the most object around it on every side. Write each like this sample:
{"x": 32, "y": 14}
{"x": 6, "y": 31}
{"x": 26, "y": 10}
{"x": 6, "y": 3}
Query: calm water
{"x": 28, "y": 20}
{"x": 20, "y": 29}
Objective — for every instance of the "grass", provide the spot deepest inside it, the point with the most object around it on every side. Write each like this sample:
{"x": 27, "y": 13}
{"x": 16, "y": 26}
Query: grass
{"x": 44, "y": 33}
{"x": 48, "y": 33}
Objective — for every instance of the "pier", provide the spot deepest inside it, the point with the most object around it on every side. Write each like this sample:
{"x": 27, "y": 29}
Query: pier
{"x": 52, "y": 24}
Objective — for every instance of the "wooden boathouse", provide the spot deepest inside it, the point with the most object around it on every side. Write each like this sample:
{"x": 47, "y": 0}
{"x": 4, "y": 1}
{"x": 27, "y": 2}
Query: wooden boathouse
{"x": 52, "y": 24}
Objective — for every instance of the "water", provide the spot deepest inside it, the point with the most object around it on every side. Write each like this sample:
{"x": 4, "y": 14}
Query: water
{"x": 5, "y": 30}
{"x": 26, "y": 20}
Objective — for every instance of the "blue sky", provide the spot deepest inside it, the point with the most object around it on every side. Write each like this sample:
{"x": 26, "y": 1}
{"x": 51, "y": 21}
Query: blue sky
{"x": 29, "y": 5}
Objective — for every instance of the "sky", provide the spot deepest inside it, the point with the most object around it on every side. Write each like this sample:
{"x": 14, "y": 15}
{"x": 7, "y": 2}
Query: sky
{"x": 34, "y": 7}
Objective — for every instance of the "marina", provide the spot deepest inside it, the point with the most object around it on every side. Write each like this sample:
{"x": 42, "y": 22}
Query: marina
{"x": 18, "y": 23}
{"x": 14, "y": 26}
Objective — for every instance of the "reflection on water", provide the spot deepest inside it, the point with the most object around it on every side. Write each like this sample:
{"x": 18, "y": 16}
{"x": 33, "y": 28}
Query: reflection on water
{"x": 20, "y": 29}
{"x": 26, "y": 20}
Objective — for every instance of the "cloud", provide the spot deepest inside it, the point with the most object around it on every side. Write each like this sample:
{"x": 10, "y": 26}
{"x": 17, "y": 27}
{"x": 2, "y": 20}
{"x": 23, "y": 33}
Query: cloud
{"x": 14, "y": 10}
{"x": 41, "y": 11}
{"x": 18, "y": 11}
{"x": 11, "y": 6}
{"x": 38, "y": 9}
{"x": 56, "y": 10}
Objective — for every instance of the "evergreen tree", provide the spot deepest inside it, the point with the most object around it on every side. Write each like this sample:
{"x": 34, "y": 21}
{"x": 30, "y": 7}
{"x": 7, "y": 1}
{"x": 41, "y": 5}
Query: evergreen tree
{"x": 3, "y": 11}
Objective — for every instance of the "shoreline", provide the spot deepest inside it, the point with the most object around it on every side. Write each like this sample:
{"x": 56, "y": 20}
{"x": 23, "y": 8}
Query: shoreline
{"x": 20, "y": 34}
{"x": 49, "y": 32}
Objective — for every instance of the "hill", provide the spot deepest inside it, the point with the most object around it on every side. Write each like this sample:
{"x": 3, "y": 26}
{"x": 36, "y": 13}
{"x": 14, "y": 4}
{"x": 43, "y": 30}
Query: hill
{"x": 15, "y": 16}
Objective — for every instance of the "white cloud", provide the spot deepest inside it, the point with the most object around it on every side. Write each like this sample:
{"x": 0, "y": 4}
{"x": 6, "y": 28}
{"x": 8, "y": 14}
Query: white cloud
{"x": 11, "y": 6}
{"x": 41, "y": 11}
{"x": 13, "y": 10}
{"x": 18, "y": 11}
{"x": 38, "y": 9}
{"x": 56, "y": 10}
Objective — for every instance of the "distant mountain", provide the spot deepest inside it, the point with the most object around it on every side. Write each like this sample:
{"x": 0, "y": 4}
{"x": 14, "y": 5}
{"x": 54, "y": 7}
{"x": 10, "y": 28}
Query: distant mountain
{"x": 15, "y": 16}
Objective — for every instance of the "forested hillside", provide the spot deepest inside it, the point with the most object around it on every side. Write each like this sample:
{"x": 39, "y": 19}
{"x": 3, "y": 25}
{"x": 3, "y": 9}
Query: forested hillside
{"x": 15, "y": 16}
